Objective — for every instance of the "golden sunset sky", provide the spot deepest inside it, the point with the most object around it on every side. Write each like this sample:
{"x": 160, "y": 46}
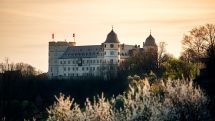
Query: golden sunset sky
{"x": 26, "y": 25}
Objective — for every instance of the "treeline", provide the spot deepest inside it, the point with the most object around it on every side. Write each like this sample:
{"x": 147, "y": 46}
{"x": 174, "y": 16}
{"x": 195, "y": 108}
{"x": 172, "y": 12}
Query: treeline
{"x": 25, "y": 69}
{"x": 26, "y": 96}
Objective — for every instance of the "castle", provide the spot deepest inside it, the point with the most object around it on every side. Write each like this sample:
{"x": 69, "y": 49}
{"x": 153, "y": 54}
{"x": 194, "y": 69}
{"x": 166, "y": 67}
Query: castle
{"x": 66, "y": 60}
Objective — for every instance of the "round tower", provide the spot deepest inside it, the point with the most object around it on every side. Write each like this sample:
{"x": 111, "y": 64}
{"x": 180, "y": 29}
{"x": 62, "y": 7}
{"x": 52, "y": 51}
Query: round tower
{"x": 150, "y": 51}
{"x": 111, "y": 52}
{"x": 150, "y": 44}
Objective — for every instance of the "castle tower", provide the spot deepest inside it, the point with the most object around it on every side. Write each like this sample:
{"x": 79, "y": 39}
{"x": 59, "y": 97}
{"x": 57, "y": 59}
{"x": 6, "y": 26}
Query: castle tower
{"x": 56, "y": 50}
{"x": 111, "y": 54}
{"x": 150, "y": 52}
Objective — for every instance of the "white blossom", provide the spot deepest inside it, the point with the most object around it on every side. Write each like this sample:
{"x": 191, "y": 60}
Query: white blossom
{"x": 174, "y": 100}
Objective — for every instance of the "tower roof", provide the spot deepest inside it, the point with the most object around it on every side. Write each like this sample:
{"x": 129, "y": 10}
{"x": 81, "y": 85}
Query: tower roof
{"x": 150, "y": 41}
{"x": 112, "y": 37}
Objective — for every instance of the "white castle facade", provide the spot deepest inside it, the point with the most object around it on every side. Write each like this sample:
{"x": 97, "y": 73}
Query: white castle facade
{"x": 66, "y": 60}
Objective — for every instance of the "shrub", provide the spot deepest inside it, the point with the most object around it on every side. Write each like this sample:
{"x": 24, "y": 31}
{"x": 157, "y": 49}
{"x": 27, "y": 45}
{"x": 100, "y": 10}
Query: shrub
{"x": 180, "y": 100}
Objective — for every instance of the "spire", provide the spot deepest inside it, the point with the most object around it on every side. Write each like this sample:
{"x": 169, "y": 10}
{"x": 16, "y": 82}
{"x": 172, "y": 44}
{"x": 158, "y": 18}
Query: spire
{"x": 112, "y": 27}
{"x": 150, "y": 31}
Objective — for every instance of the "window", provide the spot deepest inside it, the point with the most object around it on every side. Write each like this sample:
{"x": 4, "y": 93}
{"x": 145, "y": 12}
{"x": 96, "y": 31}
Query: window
{"x": 105, "y": 45}
{"x": 87, "y": 68}
{"x": 77, "y": 68}
{"x": 111, "y": 45}
{"x": 68, "y": 62}
{"x": 111, "y": 61}
{"x": 82, "y": 68}
{"x": 111, "y": 52}
{"x": 68, "y": 68}
{"x": 64, "y": 68}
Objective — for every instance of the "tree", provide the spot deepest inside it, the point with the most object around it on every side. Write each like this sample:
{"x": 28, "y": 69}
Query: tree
{"x": 197, "y": 42}
{"x": 210, "y": 32}
{"x": 187, "y": 56}
{"x": 26, "y": 69}
{"x": 161, "y": 52}
{"x": 178, "y": 69}
{"x": 140, "y": 61}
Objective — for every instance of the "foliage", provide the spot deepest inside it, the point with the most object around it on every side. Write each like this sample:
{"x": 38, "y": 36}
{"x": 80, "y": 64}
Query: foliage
{"x": 25, "y": 69}
{"x": 140, "y": 61}
{"x": 210, "y": 63}
{"x": 179, "y": 69}
{"x": 23, "y": 98}
{"x": 152, "y": 78}
{"x": 181, "y": 100}
{"x": 197, "y": 41}
{"x": 206, "y": 79}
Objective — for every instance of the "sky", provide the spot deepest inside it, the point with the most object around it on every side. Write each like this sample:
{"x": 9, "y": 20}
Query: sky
{"x": 26, "y": 25}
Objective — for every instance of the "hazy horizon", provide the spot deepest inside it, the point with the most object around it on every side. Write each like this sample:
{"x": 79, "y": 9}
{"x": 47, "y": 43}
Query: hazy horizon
{"x": 26, "y": 26}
